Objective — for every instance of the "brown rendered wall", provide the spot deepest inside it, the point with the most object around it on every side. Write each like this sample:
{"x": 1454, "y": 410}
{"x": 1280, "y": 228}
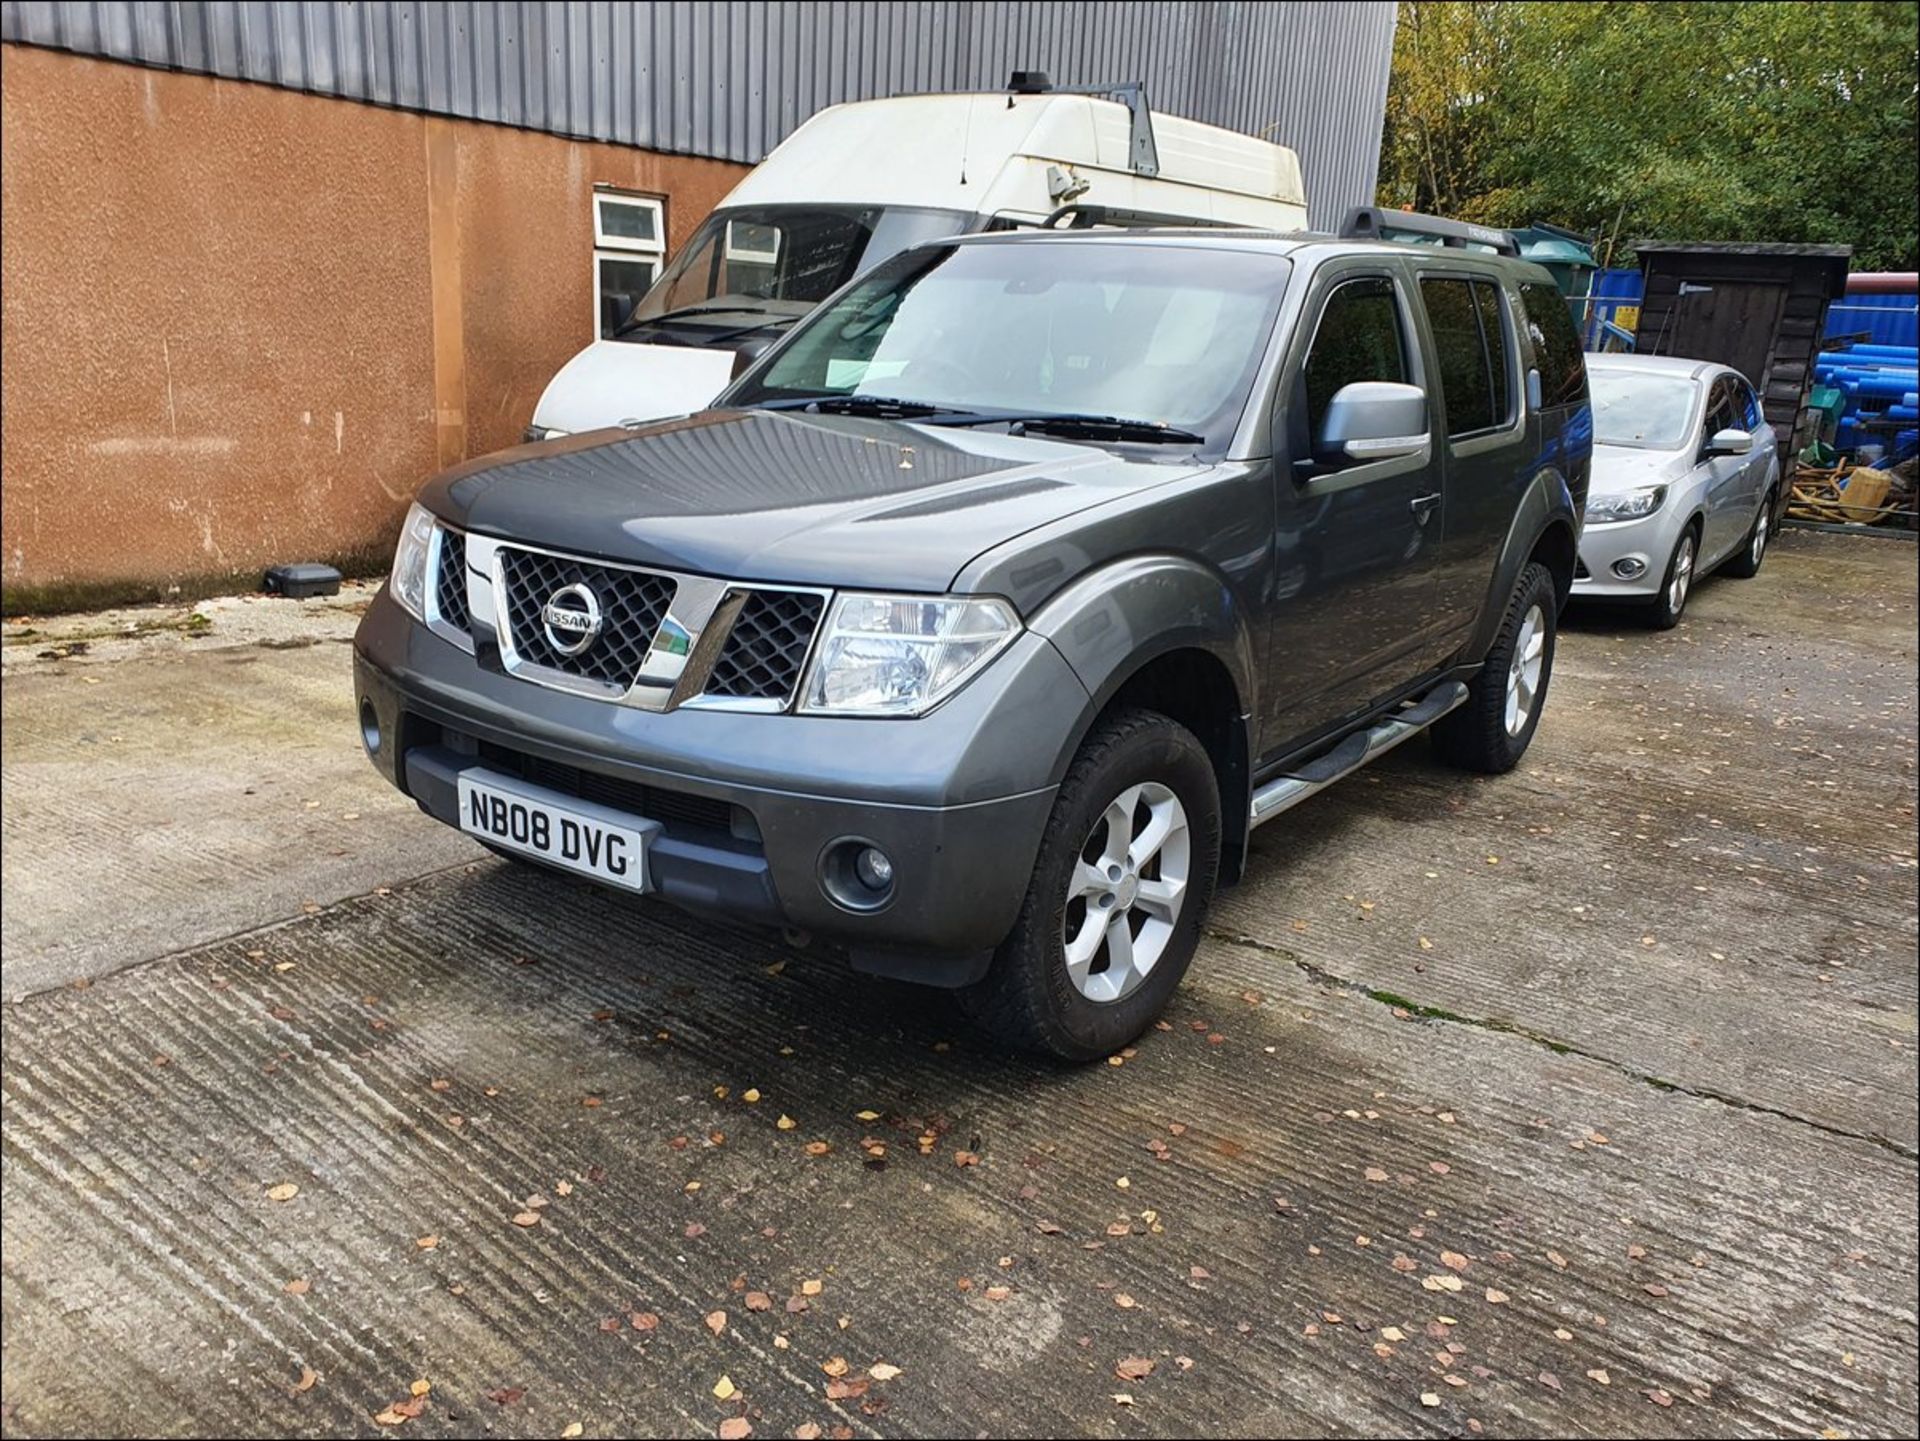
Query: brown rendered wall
{"x": 240, "y": 325}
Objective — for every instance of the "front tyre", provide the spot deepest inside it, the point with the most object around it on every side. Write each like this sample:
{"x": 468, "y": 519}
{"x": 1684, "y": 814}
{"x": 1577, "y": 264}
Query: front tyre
{"x": 1120, "y": 890}
{"x": 1665, "y": 610}
{"x": 1491, "y": 731}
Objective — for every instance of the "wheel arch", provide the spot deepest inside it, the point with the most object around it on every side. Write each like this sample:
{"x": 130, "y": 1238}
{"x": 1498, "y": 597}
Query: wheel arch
{"x": 1165, "y": 633}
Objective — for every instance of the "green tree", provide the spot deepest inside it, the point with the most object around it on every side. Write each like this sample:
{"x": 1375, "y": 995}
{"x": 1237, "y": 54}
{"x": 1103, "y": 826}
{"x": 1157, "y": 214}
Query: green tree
{"x": 1682, "y": 121}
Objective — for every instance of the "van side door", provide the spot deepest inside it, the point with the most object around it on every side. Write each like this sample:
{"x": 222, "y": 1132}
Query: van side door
{"x": 1353, "y": 541}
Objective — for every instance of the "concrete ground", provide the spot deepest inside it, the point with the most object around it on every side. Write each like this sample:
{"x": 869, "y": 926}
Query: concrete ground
{"x": 1578, "y": 1101}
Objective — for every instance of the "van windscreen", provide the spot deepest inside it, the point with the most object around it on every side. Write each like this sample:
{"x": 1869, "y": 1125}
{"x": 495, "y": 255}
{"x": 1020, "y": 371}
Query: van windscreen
{"x": 776, "y": 262}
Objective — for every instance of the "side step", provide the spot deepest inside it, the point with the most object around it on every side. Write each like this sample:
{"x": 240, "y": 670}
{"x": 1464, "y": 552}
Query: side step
{"x": 1284, "y": 792}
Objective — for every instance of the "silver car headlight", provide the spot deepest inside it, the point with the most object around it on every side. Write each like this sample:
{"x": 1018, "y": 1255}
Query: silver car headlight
{"x": 1626, "y": 504}
{"x": 408, "y": 580}
{"x": 901, "y": 655}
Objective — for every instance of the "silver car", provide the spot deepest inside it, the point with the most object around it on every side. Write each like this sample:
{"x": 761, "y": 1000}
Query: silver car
{"x": 1685, "y": 469}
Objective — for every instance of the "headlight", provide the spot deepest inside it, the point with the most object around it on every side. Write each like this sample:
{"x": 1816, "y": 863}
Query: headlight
{"x": 408, "y": 581}
{"x": 1627, "y": 504}
{"x": 901, "y": 655}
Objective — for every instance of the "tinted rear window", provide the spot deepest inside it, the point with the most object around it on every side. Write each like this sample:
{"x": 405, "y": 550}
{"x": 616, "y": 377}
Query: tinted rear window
{"x": 1556, "y": 345}
{"x": 1465, "y": 383}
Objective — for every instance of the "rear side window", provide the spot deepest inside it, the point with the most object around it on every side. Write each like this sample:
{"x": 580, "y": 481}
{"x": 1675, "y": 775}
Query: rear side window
{"x": 1466, "y": 377}
{"x": 1486, "y": 300}
{"x": 1556, "y": 345}
{"x": 1358, "y": 338}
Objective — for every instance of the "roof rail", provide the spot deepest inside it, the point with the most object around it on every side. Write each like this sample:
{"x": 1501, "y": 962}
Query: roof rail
{"x": 1372, "y": 222}
{"x": 1085, "y": 217}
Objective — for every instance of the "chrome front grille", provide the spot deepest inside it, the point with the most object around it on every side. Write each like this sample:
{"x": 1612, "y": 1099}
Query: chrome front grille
{"x": 645, "y": 638}
{"x": 632, "y": 605}
{"x": 768, "y": 644}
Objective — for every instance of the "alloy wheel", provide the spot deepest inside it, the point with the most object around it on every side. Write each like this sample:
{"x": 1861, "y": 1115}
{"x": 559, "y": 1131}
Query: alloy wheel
{"x": 1682, "y": 581}
{"x": 1126, "y": 892}
{"x": 1523, "y": 675}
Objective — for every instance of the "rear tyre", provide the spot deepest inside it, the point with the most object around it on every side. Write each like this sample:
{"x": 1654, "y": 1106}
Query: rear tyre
{"x": 1746, "y": 565}
{"x": 1492, "y": 730}
{"x": 1120, "y": 890}
{"x": 1665, "y": 609}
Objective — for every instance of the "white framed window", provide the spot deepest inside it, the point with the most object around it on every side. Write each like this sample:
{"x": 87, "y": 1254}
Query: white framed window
{"x": 629, "y": 248}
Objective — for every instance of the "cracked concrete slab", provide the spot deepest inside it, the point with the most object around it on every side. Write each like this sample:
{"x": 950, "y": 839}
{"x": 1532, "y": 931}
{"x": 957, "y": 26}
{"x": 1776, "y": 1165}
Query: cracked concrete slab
{"x": 1639, "y": 1186}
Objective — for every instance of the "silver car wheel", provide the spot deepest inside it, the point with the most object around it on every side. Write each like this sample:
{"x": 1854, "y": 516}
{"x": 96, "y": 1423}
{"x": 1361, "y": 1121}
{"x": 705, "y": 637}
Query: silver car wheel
{"x": 1126, "y": 892}
{"x": 1759, "y": 537}
{"x": 1682, "y": 581}
{"x": 1523, "y": 676}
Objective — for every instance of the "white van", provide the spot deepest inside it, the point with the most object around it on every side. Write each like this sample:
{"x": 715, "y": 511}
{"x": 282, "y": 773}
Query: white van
{"x": 860, "y": 182}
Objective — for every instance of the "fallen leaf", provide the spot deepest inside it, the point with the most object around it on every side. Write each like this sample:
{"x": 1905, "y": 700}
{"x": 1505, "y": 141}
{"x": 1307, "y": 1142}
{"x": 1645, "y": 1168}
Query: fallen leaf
{"x": 1047, "y": 1228}
{"x": 751, "y": 1096}
{"x": 563, "y": 1188}
{"x": 735, "y": 1428}
{"x": 574, "y": 1428}
{"x": 716, "y": 1321}
{"x": 1404, "y": 1263}
{"x": 999, "y": 1293}
{"x": 1557, "y": 1259}
{"x": 1659, "y": 1397}
{"x": 1133, "y": 1368}
{"x": 1497, "y": 1298}
{"x": 1124, "y": 1301}
{"x": 1599, "y": 1373}
{"x": 812, "y": 1288}
{"x": 1122, "y": 1398}
{"x": 808, "y": 1431}
{"x": 643, "y": 1320}
{"x": 427, "y": 1243}
{"x": 796, "y": 1304}
{"x": 694, "y": 1231}
{"x": 1453, "y": 1261}
{"x": 1656, "y": 1289}
{"x": 965, "y": 1158}
{"x": 1634, "y": 1253}
{"x": 1429, "y": 1398}
{"x": 1549, "y": 1380}
{"x": 1442, "y": 1283}
{"x": 1439, "y": 1168}
{"x": 818, "y": 1148}
{"x": 1375, "y": 1174}
{"x": 882, "y": 1371}
{"x": 285, "y": 1191}
{"x": 836, "y": 1366}
{"x": 527, "y": 1218}
{"x": 759, "y": 1301}
{"x": 724, "y": 1389}
{"x": 505, "y": 1395}
{"x": 786, "y": 1122}
{"x": 307, "y": 1378}
{"x": 298, "y": 1286}
{"x": 1392, "y": 1333}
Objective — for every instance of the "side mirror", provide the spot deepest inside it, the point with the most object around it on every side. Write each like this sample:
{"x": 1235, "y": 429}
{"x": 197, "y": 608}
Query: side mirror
{"x": 1375, "y": 420}
{"x": 1730, "y": 442}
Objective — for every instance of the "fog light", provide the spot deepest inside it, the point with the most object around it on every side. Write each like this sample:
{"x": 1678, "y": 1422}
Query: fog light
{"x": 1631, "y": 568}
{"x": 873, "y": 868}
{"x": 370, "y": 727}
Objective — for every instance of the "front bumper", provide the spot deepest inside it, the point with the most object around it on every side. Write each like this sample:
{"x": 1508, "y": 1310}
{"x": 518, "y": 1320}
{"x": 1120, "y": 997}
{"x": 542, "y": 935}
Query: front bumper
{"x": 752, "y": 805}
{"x": 1606, "y": 546}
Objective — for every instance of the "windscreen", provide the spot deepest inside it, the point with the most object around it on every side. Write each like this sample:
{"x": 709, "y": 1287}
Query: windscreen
{"x": 781, "y": 259}
{"x": 1149, "y": 332}
{"x": 1642, "y": 411}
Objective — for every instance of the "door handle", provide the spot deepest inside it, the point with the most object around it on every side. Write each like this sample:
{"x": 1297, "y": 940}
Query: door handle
{"x": 1423, "y": 505}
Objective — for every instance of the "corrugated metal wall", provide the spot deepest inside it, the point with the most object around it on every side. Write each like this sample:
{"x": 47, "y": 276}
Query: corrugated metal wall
{"x": 730, "y": 80}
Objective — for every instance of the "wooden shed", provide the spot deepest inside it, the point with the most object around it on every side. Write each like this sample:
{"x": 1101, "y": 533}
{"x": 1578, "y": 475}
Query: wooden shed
{"x": 1759, "y": 308}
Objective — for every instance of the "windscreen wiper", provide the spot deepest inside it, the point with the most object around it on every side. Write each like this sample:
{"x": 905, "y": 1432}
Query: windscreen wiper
{"x": 1049, "y": 422}
{"x": 641, "y": 322}
{"x": 885, "y": 406}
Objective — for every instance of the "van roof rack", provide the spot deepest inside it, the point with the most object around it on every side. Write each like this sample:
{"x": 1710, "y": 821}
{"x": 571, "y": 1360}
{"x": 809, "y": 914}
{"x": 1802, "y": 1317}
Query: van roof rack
{"x": 1373, "y": 222}
{"x": 1142, "y": 154}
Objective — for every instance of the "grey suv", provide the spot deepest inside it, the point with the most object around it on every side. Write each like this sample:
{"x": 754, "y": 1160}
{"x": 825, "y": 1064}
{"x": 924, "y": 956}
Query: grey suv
{"x": 979, "y": 623}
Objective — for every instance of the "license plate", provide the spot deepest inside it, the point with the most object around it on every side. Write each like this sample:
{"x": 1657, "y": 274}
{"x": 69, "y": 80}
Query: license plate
{"x": 576, "y": 835}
